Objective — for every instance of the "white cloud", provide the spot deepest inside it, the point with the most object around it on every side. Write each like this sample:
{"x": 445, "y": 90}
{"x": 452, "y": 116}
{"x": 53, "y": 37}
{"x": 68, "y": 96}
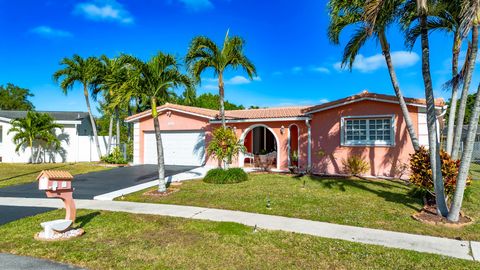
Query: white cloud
{"x": 237, "y": 80}
{"x": 323, "y": 100}
{"x": 104, "y": 10}
{"x": 210, "y": 87}
{"x": 323, "y": 70}
{"x": 400, "y": 59}
{"x": 297, "y": 69}
{"x": 197, "y": 5}
{"x": 47, "y": 31}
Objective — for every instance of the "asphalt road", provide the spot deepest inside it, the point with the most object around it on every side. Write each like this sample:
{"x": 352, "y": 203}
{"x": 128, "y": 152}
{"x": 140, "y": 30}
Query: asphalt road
{"x": 86, "y": 186}
{"x": 15, "y": 262}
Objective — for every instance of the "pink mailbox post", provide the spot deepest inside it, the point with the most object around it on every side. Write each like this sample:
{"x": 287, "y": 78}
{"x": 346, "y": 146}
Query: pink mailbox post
{"x": 58, "y": 184}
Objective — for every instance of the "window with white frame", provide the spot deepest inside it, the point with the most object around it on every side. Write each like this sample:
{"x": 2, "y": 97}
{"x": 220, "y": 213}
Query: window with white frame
{"x": 371, "y": 130}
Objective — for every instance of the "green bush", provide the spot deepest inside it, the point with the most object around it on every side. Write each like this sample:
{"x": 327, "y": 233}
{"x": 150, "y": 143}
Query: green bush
{"x": 355, "y": 165}
{"x": 116, "y": 157}
{"x": 221, "y": 176}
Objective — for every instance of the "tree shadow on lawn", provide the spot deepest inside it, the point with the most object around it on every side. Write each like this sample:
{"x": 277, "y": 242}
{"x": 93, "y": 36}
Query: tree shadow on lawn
{"x": 343, "y": 183}
{"x": 29, "y": 173}
{"x": 85, "y": 219}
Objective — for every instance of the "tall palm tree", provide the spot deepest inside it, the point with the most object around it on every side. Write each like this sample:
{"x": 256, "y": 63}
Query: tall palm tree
{"x": 470, "y": 20}
{"x": 445, "y": 16}
{"x": 467, "y": 78}
{"x": 115, "y": 76}
{"x": 204, "y": 54}
{"x": 370, "y": 19}
{"x": 155, "y": 80}
{"x": 34, "y": 128}
{"x": 434, "y": 147}
{"x": 87, "y": 72}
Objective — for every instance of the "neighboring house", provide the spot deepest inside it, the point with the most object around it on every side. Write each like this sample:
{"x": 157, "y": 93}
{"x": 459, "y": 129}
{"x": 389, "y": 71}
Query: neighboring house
{"x": 77, "y": 143}
{"x": 367, "y": 124}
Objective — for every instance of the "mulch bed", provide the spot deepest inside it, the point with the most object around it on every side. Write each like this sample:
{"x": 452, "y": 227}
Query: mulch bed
{"x": 428, "y": 215}
{"x": 155, "y": 192}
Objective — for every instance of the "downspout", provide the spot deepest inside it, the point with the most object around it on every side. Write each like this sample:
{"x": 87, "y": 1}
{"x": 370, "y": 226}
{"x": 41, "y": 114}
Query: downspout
{"x": 309, "y": 145}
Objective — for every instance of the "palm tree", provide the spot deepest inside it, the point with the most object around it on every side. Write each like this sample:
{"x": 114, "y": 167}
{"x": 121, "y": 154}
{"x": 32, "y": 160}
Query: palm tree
{"x": 115, "y": 76}
{"x": 34, "y": 128}
{"x": 371, "y": 18}
{"x": 87, "y": 72}
{"x": 154, "y": 80}
{"x": 434, "y": 147}
{"x": 204, "y": 54}
{"x": 467, "y": 78}
{"x": 445, "y": 16}
{"x": 470, "y": 19}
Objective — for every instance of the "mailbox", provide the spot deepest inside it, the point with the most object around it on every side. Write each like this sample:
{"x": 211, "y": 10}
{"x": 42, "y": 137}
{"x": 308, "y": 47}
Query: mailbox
{"x": 54, "y": 180}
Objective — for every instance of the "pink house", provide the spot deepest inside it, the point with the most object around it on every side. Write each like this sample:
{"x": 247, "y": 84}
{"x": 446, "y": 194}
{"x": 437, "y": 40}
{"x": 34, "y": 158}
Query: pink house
{"x": 370, "y": 125}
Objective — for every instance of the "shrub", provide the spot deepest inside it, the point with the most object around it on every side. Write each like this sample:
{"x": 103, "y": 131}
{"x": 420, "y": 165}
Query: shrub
{"x": 421, "y": 172}
{"x": 221, "y": 176}
{"x": 355, "y": 165}
{"x": 116, "y": 157}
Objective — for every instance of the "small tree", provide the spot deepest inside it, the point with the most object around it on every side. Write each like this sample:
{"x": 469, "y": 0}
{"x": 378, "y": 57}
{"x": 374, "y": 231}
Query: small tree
{"x": 224, "y": 145}
{"x": 35, "y": 128}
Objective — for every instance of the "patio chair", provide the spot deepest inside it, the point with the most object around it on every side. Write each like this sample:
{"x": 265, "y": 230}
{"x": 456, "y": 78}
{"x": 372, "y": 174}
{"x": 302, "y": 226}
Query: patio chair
{"x": 250, "y": 157}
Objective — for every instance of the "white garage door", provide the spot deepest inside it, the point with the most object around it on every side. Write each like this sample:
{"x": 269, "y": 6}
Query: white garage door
{"x": 180, "y": 148}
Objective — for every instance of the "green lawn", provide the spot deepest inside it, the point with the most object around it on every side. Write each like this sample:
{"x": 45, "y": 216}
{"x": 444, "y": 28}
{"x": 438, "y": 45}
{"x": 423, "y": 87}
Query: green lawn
{"x": 378, "y": 204}
{"x": 17, "y": 173}
{"x": 128, "y": 241}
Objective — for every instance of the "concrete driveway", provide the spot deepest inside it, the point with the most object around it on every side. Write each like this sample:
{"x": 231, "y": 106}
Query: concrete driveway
{"x": 86, "y": 186}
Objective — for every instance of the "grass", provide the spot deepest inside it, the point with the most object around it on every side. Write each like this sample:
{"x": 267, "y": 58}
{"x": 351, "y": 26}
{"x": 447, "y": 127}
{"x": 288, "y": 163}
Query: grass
{"x": 475, "y": 171}
{"x": 17, "y": 173}
{"x": 128, "y": 241}
{"x": 377, "y": 204}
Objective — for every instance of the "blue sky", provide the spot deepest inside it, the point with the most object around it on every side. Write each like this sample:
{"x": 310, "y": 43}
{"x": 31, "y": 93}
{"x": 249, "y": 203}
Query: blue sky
{"x": 287, "y": 41}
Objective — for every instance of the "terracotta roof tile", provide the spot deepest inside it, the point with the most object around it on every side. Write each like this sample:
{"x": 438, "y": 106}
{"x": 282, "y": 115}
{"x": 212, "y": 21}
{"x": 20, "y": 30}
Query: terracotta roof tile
{"x": 56, "y": 175}
{"x": 365, "y": 94}
{"x": 278, "y": 112}
{"x": 281, "y": 112}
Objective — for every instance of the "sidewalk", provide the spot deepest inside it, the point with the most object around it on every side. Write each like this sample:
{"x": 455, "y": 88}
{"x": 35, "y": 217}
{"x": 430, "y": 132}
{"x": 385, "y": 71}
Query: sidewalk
{"x": 469, "y": 250}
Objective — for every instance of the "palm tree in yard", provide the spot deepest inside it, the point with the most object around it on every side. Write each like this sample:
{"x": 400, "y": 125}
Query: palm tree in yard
{"x": 154, "y": 80}
{"x": 204, "y": 54}
{"x": 87, "y": 72}
{"x": 470, "y": 20}
{"x": 34, "y": 128}
{"x": 115, "y": 76}
{"x": 371, "y": 20}
{"x": 446, "y": 16}
{"x": 434, "y": 147}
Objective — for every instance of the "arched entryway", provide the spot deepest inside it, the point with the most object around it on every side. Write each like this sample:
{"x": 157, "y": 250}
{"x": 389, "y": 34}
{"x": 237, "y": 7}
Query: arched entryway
{"x": 259, "y": 140}
{"x": 293, "y": 145}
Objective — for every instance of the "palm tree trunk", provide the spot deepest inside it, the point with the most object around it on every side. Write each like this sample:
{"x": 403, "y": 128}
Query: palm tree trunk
{"x": 453, "y": 100}
{"x": 129, "y": 125}
{"x": 465, "y": 164}
{"x": 110, "y": 135}
{"x": 398, "y": 91}
{"x": 30, "y": 144}
{"x": 221, "y": 93}
{"x": 463, "y": 100}
{"x": 92, "y": 121}
{"x": 162, "y": 185}
{"x": 432, "y": 122}
{"x": 117, "y": 116}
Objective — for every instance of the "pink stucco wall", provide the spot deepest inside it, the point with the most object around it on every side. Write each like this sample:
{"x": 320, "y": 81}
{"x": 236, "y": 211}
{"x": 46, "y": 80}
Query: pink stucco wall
{"x": 328, "y": 154}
